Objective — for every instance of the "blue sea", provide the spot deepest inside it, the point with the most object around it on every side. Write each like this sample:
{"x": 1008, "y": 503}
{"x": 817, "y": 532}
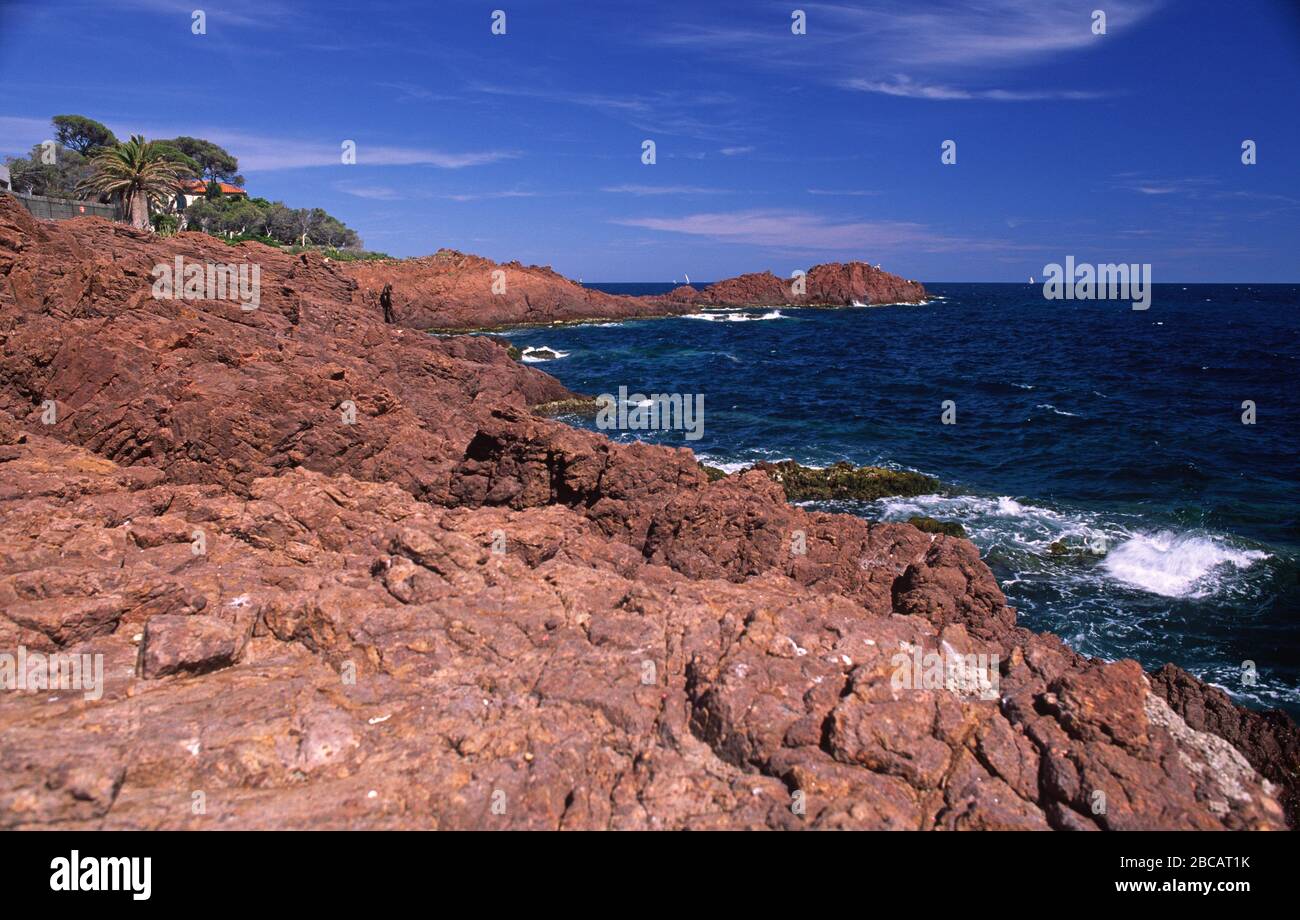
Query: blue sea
{"x": 1086, "y": 422}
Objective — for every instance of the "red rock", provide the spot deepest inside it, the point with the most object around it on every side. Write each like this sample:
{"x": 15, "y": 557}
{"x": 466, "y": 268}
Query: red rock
{"x": 454, "y": 614}
{"x": 451, "y": 290}
{"x": 834, "y": 284}
{"x": 188, "y": 644}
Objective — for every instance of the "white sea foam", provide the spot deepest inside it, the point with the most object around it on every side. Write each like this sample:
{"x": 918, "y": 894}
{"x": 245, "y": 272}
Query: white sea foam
{"x": 1058, "y": 411}
{"x": 718, "y": 317}
{"x": 1192, "y": 565}
{"x": 727, "y": 466}
{"x": 1176, "y": 565}
{"x": 735, "y": 466}
{"x": 530, "y": 354}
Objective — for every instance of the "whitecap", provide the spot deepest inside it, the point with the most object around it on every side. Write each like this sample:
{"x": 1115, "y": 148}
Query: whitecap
{"x": 530, "y": 354}
{"x": 1176, "y": 565}
{"x": 718, "y": 317}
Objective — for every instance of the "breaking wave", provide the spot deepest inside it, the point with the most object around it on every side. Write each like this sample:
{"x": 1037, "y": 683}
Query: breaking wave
{"x": 734, "y": 317}
{"x": 536, "y": 354}
{"x": 1177, "y": 565}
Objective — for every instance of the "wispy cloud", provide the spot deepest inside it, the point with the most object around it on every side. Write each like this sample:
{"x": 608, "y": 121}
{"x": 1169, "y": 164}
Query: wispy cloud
{"x": 712, "y": 116}
{"x": 844, "y": 192}
{"x": 663, "y": 190}
{"x": 800, "y": 230}
{"x": 735, "y": 151}
{"x": 19, "y": 135}
{"x": 261, "y": 153}
{"x": 373, "y": 192}
{"x": 391, "y": 193}
{"x": 410, "y": 92}
{"x": 944, "y": 50}
{"x": 485, "y": 196}
{"x": 905, "y": 87}
{"x": 1190, "y": 186}
{"x": 253, "y": 14}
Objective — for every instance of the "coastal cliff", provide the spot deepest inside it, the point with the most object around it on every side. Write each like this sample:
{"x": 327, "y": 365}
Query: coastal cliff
{"x": 454, "y": 291}
{"x": 342, "y": 576}
{"x": 834, "y": 284}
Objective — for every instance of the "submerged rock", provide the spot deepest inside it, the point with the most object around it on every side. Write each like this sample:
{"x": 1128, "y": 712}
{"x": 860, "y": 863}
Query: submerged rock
{"x": 1075, "y": 548}
{"x": 582, "y": 406}
{"x": 713, "y": 472}
{"x": 844, "y": 481}
{"x": 930, "y": 525}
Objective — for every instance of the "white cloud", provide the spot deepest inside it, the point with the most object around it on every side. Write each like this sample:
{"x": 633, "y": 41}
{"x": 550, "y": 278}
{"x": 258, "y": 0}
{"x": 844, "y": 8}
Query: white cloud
{"x": 799, "y": 230}
{"x": 905, "y": 87}
{"x": 19, "y": 135}
{"x": 844, "y": 192}
{"x": 633, "y": 189}
{"x": 374, "y": 192}
{"x": 389, "y": 193}
{"x": 940, "y": 50}
{"x": 260, "y": 153}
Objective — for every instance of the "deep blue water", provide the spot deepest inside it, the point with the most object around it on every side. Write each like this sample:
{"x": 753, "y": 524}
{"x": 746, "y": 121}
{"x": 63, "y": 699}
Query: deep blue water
{"x": 1087, "y": 421}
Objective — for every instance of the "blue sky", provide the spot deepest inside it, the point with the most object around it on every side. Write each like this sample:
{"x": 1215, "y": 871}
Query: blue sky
{"x": 774, "y": 151}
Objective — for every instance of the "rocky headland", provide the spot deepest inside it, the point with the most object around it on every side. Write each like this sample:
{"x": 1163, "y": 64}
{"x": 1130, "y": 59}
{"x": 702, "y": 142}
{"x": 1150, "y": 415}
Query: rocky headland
{"x": 834, "y": 284}
{"x": 341, "y": 575}
{"x": 451, "y": 291}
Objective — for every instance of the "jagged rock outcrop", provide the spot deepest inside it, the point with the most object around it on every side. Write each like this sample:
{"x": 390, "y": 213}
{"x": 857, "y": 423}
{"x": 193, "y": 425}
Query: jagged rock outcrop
{"x": 1269, "y": 740}
{"x": 454, "y": 291}
{"x": 449, "y": 612}
{"x": 835, "y": 284}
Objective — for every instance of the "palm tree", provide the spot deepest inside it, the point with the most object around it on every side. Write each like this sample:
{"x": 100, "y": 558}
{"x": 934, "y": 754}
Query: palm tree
{"x": 139, "y": 173}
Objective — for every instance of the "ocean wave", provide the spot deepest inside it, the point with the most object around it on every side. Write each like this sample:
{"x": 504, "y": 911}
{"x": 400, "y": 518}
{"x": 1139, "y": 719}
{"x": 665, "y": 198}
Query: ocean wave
{"x": 1058, "y": 411}
{"x": 1177, "y": 565}
{"x": 735, "y": 466}
{"x": 532, "y": 354}
{"x": 718, "y": 317}
{"x": 1032, "y": 540}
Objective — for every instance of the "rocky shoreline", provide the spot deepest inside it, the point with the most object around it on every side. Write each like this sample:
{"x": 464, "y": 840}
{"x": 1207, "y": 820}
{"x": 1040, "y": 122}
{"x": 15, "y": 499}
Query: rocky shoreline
{"x": 341, "y": 575}
{"x": 451, "y": 292}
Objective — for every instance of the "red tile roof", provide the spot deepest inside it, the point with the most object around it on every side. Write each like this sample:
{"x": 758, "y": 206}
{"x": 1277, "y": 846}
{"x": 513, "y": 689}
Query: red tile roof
{"x": 198, "y": 187}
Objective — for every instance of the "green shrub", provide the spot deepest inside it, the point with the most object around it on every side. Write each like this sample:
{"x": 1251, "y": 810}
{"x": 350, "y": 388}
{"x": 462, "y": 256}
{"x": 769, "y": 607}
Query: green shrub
{"x": 165, "y": 224}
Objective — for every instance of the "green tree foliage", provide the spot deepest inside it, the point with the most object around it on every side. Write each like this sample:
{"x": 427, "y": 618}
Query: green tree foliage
{"x": 241, "y": 217}
{"x": 192, "y": 167}
{"x": 60, "y": 179}
{"x": 137, "y": 174}
{"x": 82, "y": 134}
{"x": 215, "y": 163}
{"x": 155, "y": 169}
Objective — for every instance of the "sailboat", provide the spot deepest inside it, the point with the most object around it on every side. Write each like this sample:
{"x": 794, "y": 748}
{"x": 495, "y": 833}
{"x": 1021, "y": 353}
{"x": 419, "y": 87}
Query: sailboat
{"x": 688, "y": 279}
{"x": 1031, "y": 279}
